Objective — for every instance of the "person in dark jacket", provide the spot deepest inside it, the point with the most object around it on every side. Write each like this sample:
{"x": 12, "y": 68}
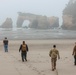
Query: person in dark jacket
{"x": 74, "y": 53}
{"x": 5, "y": 43}
{"x": 24, "y": 49}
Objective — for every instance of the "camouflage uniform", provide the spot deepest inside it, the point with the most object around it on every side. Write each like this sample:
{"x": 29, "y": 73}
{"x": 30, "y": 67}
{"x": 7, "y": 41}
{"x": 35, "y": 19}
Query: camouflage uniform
{"x": 74, "y": 53}
{"x": 53, "y": 54}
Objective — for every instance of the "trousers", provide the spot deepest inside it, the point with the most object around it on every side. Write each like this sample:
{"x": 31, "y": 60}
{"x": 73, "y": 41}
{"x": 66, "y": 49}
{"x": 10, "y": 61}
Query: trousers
{"x": 74, "y": 59}
{"x": 53, "y": 63}
{"x": 6, "y": 48}
{"x": 24, "y": 55}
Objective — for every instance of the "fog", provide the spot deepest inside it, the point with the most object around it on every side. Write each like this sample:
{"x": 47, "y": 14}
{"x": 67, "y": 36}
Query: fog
{"x": 9, "y": 8}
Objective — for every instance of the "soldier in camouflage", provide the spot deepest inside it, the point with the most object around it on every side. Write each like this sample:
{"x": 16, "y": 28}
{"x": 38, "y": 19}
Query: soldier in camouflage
{"x": 74, "y": 54}
{"x": 53, "y": 54}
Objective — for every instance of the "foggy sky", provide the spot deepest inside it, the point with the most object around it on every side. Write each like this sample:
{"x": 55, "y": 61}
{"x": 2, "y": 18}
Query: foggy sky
{"x": 9, "y": 8}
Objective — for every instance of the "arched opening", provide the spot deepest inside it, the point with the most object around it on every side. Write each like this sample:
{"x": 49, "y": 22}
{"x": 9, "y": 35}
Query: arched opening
{"x": 26, "y": 24}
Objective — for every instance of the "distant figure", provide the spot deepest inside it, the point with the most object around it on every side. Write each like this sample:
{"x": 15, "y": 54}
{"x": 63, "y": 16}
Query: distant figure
{"x": 53, "y": 54}
{"x": 74, "y": 53}
{"x": 23, "y": 48}
{"x": 5, "y": 42}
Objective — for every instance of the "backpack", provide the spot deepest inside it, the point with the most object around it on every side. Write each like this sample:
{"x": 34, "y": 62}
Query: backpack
{"x": 54, "y": 53}
{"x": 23, "y": 47}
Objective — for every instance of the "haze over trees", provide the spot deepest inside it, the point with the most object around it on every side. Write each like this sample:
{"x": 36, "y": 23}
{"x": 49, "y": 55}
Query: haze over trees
{"x": 69, "y": 16}
{"x": 44, "y": 22}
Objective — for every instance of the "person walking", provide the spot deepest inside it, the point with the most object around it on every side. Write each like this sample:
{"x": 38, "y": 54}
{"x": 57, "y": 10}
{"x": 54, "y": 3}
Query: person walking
{"x": 24, "y": 49}
{"x": 5, "y": 43}
{"x": 53, "y": 54}
{"x": 74, "y": 54}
